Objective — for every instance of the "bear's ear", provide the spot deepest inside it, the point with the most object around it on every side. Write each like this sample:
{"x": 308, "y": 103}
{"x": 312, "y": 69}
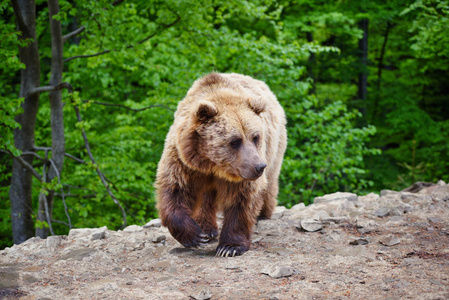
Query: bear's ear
{"x": 206, "y": 110}
{"x": 257, "y": 105}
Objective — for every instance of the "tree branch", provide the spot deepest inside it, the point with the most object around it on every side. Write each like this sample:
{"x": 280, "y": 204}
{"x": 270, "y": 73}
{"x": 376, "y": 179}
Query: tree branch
{"x": 77, "y": 196}
{"x": 129, "y": 108}
{"x": 43, "y": 197}
{"x": 158, "y": 31}
{"x": 100, "y": 174}
{"x": 46, "y": 149}
{"x": 87, "y": 55}
{"x": 51, "y": 88}
{"x": 73, "y": 33}
{"x": 76, "y": 158}
{"x": 61, "y": 222}
{"x": 25, "y": 164}
{"x": 62, "y": 192}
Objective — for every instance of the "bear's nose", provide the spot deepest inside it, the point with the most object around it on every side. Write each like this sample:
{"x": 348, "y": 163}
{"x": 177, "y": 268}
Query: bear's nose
{"x": 260, "y": 168}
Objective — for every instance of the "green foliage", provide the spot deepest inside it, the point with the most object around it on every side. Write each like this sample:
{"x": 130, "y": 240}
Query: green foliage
{"x": 144, "y": 55}
{"x": 325, "y": 152}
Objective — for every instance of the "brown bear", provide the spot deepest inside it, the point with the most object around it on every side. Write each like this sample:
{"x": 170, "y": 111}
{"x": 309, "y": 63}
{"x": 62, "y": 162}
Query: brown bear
{"x": 224, "y": 153}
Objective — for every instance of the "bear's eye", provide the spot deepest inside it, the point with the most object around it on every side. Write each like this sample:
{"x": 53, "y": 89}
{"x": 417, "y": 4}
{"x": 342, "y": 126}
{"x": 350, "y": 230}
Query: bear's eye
{"x": 236, "y": 143}
{"x": 256, "y": 139}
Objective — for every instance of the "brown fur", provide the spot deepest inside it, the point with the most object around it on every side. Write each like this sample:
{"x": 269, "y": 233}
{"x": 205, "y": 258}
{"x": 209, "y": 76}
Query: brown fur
{"x": 223, "y": 152}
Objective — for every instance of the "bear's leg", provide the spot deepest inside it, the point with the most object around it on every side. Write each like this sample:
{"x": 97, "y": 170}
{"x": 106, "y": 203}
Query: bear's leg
{"x": 206, "y": 216}
{"x": 269, "y": 202}
{"x": 236, "y": 232}
{"x": 175, "y": 213}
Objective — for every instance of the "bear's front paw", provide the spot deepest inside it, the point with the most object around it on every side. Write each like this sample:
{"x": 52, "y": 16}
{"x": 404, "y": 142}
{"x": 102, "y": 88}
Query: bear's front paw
{"x": 211, "y": 233}
{"x": 191, "y": 236}
{"x": 226, "y": 250}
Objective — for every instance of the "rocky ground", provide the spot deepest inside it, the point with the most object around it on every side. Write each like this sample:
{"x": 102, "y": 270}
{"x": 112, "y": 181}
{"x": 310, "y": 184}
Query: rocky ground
{"x": 392, "y": 246}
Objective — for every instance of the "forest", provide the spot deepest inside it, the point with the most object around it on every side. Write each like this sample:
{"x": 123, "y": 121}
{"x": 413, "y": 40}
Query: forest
{"x": 88, "y": 90}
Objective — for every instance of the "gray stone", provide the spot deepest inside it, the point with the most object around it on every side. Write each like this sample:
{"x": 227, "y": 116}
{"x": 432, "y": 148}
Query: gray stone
{"x": 159, "y": 239}
{"x": 389, "y": 240}
{"x": 133, "y": 228}
{"x": 359, "y": 242}
{"x": 153, "y": 223}
{"x": 299, "y": 206}
{"x": 384, "y": 193}
{"x": 277, "y": 272}
{"x": 434, "y": 220}
{"x": 84, "y": 232}
{"x": 364, "y": 223}
{"x": 278, "y": 212}
{"x": 280, "y": 251}
{"x": 336, "y": 220}
{"x": 99, "y": 234}
{"x": 335, "y": 196}
{"x": 53, "y": 241}
{"x": 321, "y": 215}
{"x": 78, "y": 254}
{"x": 311, "y": 225}
{"x": 382, "y": 212}
{"x": 202, "y": 293}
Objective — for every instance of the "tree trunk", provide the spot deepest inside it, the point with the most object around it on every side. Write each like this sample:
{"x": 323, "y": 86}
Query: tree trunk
{"x": 379, "y": 73}
{"x": 363, "y": 73}
{"x": 57, "y": 119}
{"x": 21, "y": 181}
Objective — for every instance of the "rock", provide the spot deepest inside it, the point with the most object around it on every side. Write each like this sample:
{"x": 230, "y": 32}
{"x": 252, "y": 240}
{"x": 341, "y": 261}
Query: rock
{"x": 357, "y": 252}
{"x": 159, "y": 239}
{"x": 99, "y": 234}
{"x": 202, "y": 293}
{"x": 153, "y": 223}
{"x": 382, "y": 212}
{"x": 280, "y": 251}
{"x": 370, "y": 198}
{"x": 133, "y": 228}
{"x": 359, "y": 242}
{"x": 437, "y": 192}
{"x": 404, "y": 208}
{"x": 418, "y": 186}
{"x": 336, "y": 220}
{"x": 335, "y": 196}
{"x": 299, "y": 206}
{"x": 53, "y": 241}
{"x": 277, "y": 272}
{"x": 389, "y": 240}
{"x": 321, "y": 215}
{"x": 278, "y": 212}
{"x": 311, "y": 225}
{"x": 84, "y": 232}
{"x": 364, "y": 223}
{"x": 434, "y": 220}
{"x": 384, "y": 193}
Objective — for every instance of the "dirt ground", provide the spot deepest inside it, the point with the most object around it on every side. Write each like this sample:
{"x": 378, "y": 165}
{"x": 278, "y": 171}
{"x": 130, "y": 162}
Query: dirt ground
{"x": 392, "y": 246}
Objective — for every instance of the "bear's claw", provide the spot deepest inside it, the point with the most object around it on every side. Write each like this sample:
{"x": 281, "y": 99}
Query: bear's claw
{"x": 225, "y": 251}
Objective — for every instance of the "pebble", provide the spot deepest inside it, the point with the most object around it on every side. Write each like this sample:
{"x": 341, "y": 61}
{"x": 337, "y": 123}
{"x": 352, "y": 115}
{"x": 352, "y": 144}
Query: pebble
{"x": 382, "y": 212}
{"x": 159, "y": 239}
{"x": 311, "y": 225}
{"x": 359, "y": 242}
{"x": 335, "y": 196}
{"x": 389, "y": 241}
{"x": 278, "y": 272}
{"x": 202, "y": 293}
{"x": 153, "y": 223}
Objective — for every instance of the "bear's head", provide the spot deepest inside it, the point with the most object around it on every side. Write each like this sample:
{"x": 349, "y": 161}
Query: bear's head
{"x": 223, "y": 135}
